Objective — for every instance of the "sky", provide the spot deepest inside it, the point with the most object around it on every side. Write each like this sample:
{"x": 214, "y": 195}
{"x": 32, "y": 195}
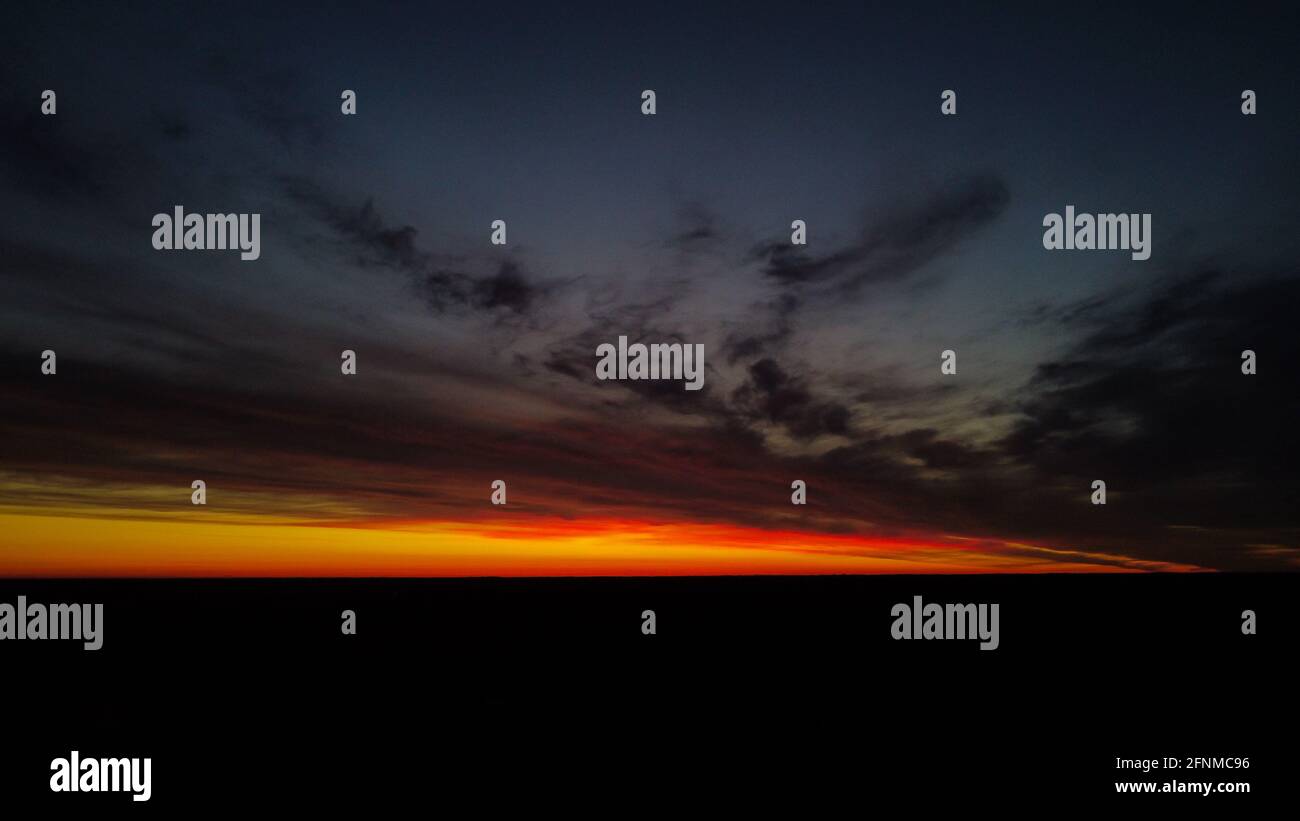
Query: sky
{"x": 476, "y": 362}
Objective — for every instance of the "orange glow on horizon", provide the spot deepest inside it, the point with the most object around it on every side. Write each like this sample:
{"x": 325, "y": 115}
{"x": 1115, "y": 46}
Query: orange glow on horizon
{"x": 251, "y": 546}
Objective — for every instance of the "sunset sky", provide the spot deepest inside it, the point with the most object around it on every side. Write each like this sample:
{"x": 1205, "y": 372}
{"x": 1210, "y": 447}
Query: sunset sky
{"x": 476, "y": 362}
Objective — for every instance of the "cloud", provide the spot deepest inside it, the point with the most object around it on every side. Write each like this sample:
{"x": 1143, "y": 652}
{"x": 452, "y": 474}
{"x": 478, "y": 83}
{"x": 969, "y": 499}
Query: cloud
{"x": 774, "y": 319}
{"x": 1153, "y": 399}
{"x": 507, "y": 288}
{"x": 773, "y": 395}
{"x": 368, "y": 241}
{"x": 697, "y": 229}
{"x": 895, "y": 244}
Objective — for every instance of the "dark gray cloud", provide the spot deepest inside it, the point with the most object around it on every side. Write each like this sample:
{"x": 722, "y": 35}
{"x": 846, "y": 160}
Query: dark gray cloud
{"x": 774, "y": 320}
{"x": 1153, "y": 399}
{"x": 368, "y": 241}
{"x": 773, "y": 395}
{"x": 895, "y": 244}
{"x": 507, "y": 288}
{"x": 697, "y": 228}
